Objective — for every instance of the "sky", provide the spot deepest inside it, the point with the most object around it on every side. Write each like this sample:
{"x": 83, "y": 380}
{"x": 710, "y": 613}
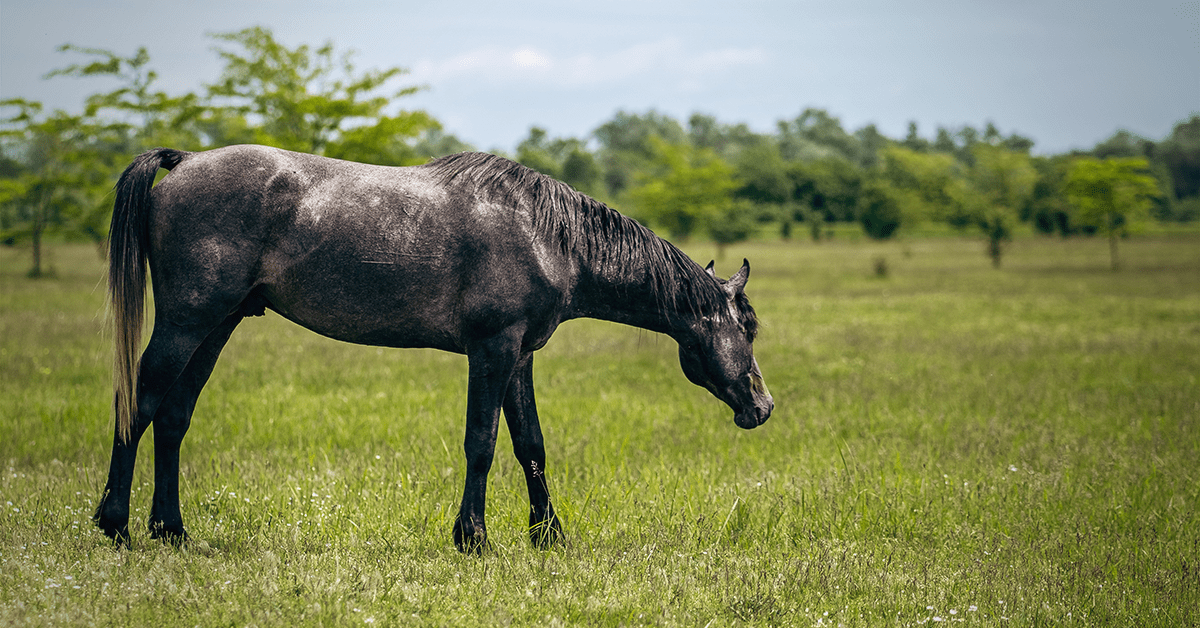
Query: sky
{"x": 1066, "y": 73}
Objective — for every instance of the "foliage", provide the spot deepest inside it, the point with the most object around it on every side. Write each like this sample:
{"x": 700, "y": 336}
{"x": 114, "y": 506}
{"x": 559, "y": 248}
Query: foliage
{"x": 879, "y": 211}
{"x": 566, "y": 159}
{"x": 1111, "y": 195}
{"x": 146, "y": 117}
{"x": 926, "y": 186}
{"x": 1048, "y": 209}
{"x": 1180, "y": 154}
{"x": 59, "y": 167}
{"x": 314, "y": 101}
{"x": 815, "y": 134}
{"x": 686, "y": 189}
{"x": 731, "y": 225}
{"x": 1002, "y": 182}
{"x": 626, "y": 146}
{"x": 57, "y": 178}
{"x": 807, "y": 169}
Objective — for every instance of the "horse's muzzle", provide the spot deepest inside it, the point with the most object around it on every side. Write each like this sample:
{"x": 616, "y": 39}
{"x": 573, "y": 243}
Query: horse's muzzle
{"x": 755, "y": 416}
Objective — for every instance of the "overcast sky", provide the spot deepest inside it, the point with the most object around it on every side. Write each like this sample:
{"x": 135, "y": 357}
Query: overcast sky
{"x": 1065, "y": 73}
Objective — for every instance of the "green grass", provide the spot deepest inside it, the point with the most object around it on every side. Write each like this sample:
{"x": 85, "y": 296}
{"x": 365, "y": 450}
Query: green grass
{"x": 950, "y": 443}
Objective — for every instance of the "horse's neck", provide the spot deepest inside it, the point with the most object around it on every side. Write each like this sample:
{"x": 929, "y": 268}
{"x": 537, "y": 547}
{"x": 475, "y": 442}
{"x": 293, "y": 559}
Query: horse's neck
{"x": 629, "y": 297}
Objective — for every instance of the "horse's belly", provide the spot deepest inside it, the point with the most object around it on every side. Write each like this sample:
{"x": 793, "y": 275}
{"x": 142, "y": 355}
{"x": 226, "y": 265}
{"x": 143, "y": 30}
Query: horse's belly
{"x": 370, "y": 314}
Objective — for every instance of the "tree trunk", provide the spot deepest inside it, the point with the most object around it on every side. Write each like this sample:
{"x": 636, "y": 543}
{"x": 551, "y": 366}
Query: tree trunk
{"x": 36, "y": 271}
{"x": 1112, "y": 251}
{"x": 1112, "y": 242}
{"x": 39, "y": 225}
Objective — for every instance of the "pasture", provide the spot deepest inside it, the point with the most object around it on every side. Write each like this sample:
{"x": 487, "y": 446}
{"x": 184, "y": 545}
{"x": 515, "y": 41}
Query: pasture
{"x": 951, "y": 443}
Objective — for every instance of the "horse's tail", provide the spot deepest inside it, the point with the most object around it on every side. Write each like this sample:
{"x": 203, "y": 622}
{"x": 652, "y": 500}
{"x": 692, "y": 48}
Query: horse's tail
{"x": 128, "y": 240}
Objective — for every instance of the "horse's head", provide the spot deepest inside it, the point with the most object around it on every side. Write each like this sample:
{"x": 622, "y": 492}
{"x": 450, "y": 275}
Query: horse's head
{"x": 717, "y": 352}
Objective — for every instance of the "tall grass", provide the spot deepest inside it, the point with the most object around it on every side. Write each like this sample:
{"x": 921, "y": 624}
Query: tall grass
{"x": 951, "y": 443}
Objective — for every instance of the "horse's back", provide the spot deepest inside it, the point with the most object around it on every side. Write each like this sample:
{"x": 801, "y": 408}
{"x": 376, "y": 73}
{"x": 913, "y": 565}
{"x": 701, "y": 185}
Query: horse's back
{"x": 369, "y": 254}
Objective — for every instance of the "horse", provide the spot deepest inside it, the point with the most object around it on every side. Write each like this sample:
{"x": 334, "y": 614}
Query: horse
{"x": 470, "y": 253}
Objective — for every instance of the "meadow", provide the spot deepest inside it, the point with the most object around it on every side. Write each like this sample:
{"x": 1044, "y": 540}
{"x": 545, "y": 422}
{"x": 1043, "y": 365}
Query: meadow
{"x": 951, "y": 444}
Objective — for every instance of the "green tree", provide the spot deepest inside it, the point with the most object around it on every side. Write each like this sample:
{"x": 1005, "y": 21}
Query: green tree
{"x": 1003, "y": 182}
{"x": 434, "y": 142}
{"x": 1112, "y": 195}
{"x": 626, "y": 146}
{"x": 685, "y": 189}
{"x": 824, "y": 190}
{"x": 926, "y": 185}
{"x": 879, "y": 211}
{"x": 726, "y": 140}
{"x": 1048, "y": 208}
{"x": 146, "y": 116}
{"x": 815, "y": 134}
{"x": 1179, "y": 158}
{"x": 730, "y": 225}
{"x": 566, "y": 159}
{"x": 534, "y": 151}
{"x": 313, "y": 100}
{"x": 581, "y": 171}
{"x": 58, "y": 177}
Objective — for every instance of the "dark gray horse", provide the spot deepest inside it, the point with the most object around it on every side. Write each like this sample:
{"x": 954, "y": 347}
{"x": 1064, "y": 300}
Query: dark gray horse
{"x": 469, "y": 253}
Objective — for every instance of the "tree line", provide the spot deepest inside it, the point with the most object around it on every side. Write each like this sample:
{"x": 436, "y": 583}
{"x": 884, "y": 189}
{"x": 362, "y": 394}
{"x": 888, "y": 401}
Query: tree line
{"x": 699, "y": 178}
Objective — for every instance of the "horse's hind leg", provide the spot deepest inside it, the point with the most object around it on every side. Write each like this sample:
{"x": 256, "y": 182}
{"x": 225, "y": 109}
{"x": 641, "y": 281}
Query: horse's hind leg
{"x": 171, "y": 423}
{"x": 520, "y": 412}
{"x": 167, "y": 360}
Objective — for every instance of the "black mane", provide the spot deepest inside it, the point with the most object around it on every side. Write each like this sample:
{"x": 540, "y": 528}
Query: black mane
{"x": 612, "y": 245}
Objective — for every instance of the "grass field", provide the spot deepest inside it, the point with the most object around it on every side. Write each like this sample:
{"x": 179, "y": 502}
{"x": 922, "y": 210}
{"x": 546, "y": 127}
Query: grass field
{"x": 951, "y": 443}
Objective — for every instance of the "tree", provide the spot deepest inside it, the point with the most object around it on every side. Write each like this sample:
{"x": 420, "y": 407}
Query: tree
{"x": 434, "y": 142}
{"x": 58, "y": 177}
{"x": 1048, "y": 208}
{"x": 314, "y": 101}
{"x": 1179, "y": 158}
{"x": 147, "y": 117}
{"x": 581, "y": 171}
{"x": 685, "y": 189}
{"x": 731, "y": 225}
{"x": 626, "y": 148}
{"x": 726, "y": 140}
{"x": 566, "y": 159}
{"x": 534, "y": 152}
{"x": 815, "y": 134}
{"x": 879, "y": 212}
{"x": 1002, "y": 182}
{"x": 1111, "y": 194}
{"x": 909, "y": 187}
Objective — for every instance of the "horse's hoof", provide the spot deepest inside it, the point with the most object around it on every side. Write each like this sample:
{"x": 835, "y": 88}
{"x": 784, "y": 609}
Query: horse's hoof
{"x": 546, "y": 534}
{"x": 470, "y": 542}
{"x": 175, "y": 536}
{"x": 119, "y": 534}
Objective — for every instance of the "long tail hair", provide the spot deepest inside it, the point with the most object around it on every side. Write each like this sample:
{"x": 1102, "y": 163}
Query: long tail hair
{"x": 128, "y": 242}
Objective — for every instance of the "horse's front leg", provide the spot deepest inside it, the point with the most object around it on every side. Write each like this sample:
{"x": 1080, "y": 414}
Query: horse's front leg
{"x": 490, "y": 366}
{"x": 520, "y": 412}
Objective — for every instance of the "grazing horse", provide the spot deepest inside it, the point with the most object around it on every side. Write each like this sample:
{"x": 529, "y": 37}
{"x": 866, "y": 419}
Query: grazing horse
{"x": 469, "y": 253}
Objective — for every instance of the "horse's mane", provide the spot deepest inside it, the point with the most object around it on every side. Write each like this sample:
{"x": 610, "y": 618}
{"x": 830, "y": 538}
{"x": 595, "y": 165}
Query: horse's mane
{"x": 611, "y": 244}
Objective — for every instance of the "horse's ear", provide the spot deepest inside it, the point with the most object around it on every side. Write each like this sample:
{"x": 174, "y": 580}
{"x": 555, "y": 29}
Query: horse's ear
{"x": 709, "y": 269}
{"x": 737, "y": 283}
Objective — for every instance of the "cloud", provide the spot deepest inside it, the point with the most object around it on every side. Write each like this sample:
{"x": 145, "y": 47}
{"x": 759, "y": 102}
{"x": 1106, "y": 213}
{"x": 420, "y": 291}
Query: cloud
{"x": 531, "y": 65}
